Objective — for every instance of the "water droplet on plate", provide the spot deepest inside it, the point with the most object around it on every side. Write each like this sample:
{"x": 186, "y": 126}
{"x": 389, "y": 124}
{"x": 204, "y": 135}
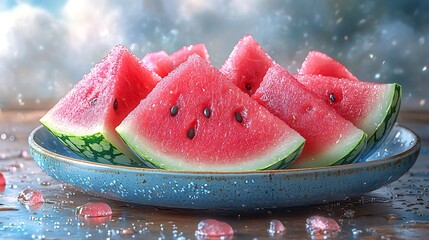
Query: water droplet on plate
{"x": 377, "y": 76}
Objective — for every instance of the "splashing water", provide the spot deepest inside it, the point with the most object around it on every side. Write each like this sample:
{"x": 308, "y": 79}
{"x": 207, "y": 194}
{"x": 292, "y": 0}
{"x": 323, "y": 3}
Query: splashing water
{"x": 94, "y": 209}
{"x": 30, "y": 197}
{"x": 276, "y": 227}
{"x": 214, "y": 228}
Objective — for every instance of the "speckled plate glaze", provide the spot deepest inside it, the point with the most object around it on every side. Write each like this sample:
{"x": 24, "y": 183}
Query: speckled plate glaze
{"x": 229, "y": 191}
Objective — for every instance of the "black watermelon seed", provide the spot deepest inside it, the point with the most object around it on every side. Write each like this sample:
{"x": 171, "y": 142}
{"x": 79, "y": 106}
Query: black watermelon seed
{"x": 238, "y": 117}
{"x": 248, "y": 86}
{"x": 332, "y": 97}
{"x": 93, "y": 101}
{"x": 206, "y": 112}
{"x": 191, "y": 133}
{"x": 174, "y": 110}
{"x": 115, "y": 105}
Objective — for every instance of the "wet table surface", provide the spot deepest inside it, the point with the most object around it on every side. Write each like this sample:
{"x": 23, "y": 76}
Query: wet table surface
{"x": 396, "y": 211}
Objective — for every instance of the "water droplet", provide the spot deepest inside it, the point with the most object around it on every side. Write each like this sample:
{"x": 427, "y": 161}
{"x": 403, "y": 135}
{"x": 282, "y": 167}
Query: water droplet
{"x": 12, "y": 138}
{"x": 93, "y": 209}
{"x": 319, "y": 224}
{"x": 377, "y": 76}
{"x": 349, "y": 213}
{"x": 422, "y": 102}
{"x": 44, "y": 183}
{"x": 356, "y": 231}
{"x": 14, "y": 167}
{"x": 24, "y": 154}
{"x": 30, "y": 197}
{"x": 126, "y": 232}
{"x": 276, "y": 227}
{"x": 214, "y": 228}
{"x": 393, "y": 217}
{"x": 424, "y": 68}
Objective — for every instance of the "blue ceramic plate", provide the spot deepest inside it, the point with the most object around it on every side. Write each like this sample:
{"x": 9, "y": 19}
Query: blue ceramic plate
{"x": 224, "y": 190}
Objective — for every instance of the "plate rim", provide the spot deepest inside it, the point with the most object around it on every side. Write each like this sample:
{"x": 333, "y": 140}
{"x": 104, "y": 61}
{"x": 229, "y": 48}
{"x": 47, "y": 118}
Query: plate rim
{"x": 34, "y": 146}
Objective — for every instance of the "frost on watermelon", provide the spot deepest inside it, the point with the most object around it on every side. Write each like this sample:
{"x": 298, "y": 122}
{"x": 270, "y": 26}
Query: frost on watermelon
{"x": 85, "y": 119}
{"x": 372, "y": 107}
{"x": 196, "y": 120}
{"x": 162, "y": 64}
{"x": 247, "y": 64}
{"x": 318, "y": 63}
{"x": 330, "y": 139}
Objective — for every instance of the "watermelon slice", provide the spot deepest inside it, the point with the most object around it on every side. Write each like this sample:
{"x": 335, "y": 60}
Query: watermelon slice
{"x": 180, "y": 56}
{"x": 85, "y": 119}
{"x": 318, "y": 63}
{"x": 247, "y": 64}
{"x": 196, "y": 120}
{"x": 161, "y": 63}
{"x": 330, "y": 139}
{"x": 158, "y": 62}
{"x": 372, "y": 107}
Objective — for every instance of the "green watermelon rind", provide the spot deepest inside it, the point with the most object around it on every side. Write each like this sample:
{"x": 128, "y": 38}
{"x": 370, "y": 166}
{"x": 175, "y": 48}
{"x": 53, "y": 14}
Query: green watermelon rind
{"x": 96, "y": 148}
{"x": 284, "y": 156}
{"x": 387, "y": 121}
{"x": 337, "y": 155}
{"x": 355, "y": 153}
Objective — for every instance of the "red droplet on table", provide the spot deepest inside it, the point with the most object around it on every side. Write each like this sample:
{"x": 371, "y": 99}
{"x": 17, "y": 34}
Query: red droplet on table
{"x": 94, "y": 209}
{"x": 276, "y": 227}
{"x": 318, "y": 224}
{"x": 214, "y": 228}
{"x": 30, "y": 197}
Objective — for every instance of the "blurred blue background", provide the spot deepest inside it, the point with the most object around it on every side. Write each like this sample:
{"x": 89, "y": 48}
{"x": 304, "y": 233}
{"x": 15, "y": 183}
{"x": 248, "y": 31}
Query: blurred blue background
{"x": 47, "y": 46}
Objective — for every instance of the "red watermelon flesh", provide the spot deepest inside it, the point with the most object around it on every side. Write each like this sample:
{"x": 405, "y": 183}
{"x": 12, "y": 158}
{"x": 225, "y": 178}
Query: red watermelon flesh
{"x": 85, "y": 119}
{"x": 247, "y": 64}
{"x": 330, "y": 139}
{"x": 158, "y": 62}
{"x": 162, "y": 64}
{"x": 196, "y": 120}
{"x": 181, "y": 55}
{"x": 372, "y": 107}
{"x": 318, "y": 63}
